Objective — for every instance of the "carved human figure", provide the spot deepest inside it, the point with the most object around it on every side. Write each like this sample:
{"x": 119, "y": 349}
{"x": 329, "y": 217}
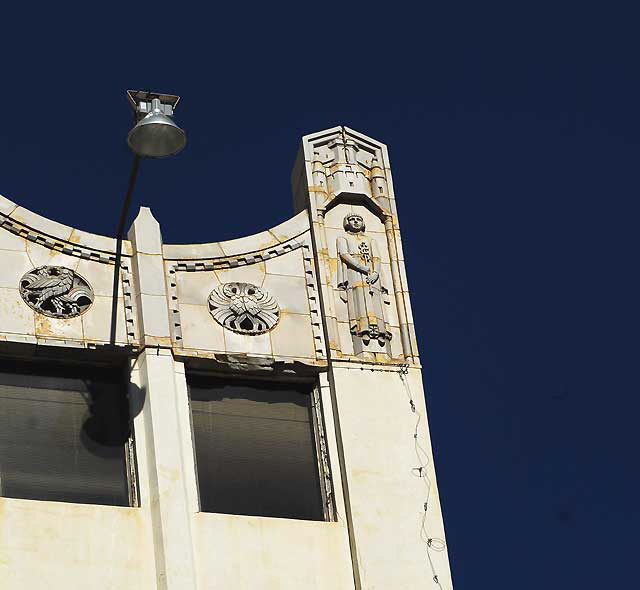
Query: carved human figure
{"x": 359, "y": 282}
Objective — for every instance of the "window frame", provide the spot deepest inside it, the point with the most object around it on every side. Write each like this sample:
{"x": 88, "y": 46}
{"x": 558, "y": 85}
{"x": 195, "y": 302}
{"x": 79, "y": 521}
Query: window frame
{"x": 70, "y": 367}
{"x": 319, "y": 434}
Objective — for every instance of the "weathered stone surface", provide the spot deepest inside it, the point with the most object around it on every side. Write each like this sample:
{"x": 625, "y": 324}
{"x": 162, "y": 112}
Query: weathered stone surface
{"x": 385, "y": 462}
{"x": 195, "y": 287}
{"x": 293, "y": 336}
{"x": 291, "y": 228}
{"x": 192, "y": 251}
{"x": 6, "y": 206}
{"x": 72, "y": 543}
{"x": 10, "y": 241}
{"x": 258, "y": 344}
{"x": 15, "y": 315}
{"x": 42, "y": 224}
{"x": 248, "y": 244}
{"x": 42, "y": 256}
{"x": 290, "y": 292}
{"x": 64, "y": 328}
{"x": 251, "y": 273}
{"x": 100, "y": 277}
{"x": 97, "y": 321}
{"x": 290, "y": 264}
{"x": 199, "y": 330}
{"x": 285, "y": 554}
{"x": 98, "y": 242}
{"x": 14, "y": 265}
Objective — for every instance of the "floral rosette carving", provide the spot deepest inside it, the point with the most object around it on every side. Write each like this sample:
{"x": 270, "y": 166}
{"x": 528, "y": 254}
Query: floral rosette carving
{"x": 244, "y": 308}
{"x": 56, "y": 291}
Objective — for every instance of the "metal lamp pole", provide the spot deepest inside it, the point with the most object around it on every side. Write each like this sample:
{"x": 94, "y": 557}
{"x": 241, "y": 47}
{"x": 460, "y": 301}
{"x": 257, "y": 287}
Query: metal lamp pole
{"x": 154, "y": 135}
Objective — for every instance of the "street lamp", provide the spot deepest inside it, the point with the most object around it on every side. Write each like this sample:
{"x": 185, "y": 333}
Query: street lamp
{"x": 154, "y": 135}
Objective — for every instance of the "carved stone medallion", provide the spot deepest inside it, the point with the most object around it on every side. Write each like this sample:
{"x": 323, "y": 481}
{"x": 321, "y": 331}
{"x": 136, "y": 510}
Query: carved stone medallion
{"x": 56, "y": 291}
{"x": 244, "y": 308}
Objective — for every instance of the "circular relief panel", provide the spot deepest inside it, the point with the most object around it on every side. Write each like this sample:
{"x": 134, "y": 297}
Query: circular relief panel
{"x": 244, "y": 308}
{"x": 56, "y": 291}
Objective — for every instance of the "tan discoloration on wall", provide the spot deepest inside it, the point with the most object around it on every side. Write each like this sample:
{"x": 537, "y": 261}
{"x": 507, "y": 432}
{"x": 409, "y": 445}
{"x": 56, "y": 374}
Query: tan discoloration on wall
{"x": 378, "y": 427}
{"x": 43, "y": 325}
{"x": 15, "y": 315}
{"x": 283, "y": 554}
{"x": 171, "y": 474}
{"x": 55, "y": 545}
{"x": 75, "y": 238}
{"x": 162, "y": 341}
{"x": 59, "y": 328}
{"x": 37, "y": 222}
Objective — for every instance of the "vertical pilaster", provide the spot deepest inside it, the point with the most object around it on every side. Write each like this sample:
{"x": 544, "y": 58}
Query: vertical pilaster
{"x": 392, "y": 504}
{"x": 159, "y": 384}
{"x": 397, "y": 289}
{"x": 320, "y": 194}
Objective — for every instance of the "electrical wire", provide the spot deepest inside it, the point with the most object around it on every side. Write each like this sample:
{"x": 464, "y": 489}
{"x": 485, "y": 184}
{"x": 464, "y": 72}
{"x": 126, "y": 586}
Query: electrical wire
{"x": 434, "y": 544}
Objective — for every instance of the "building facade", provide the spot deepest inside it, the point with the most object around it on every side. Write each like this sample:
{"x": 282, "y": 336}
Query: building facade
{"x": 230, "y": 415}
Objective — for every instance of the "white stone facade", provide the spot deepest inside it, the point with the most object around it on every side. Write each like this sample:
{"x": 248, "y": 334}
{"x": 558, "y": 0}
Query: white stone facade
{"x": 297, "y": 320}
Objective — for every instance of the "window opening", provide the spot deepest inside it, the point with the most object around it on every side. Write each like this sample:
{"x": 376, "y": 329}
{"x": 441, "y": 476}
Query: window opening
{"x": 256, "y": 447}
{"x": 65, "y": 434}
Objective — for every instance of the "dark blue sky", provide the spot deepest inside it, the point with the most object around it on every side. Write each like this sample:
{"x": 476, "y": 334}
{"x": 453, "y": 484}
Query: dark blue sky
{"x": 514, "y": 138}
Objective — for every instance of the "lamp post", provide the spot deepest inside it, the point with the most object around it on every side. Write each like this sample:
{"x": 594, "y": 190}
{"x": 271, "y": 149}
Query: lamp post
{"x": 154, "y": 135}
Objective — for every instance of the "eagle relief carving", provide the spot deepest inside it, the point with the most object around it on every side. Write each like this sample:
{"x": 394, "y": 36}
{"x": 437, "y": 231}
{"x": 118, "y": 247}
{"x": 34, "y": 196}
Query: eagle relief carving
{"x": 244, "y": 308}
{"x": 56, "y": 291}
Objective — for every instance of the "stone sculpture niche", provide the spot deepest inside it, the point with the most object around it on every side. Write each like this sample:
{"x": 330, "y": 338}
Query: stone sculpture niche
{"x": 244, "y": 308}
{"x": 56, "y": 291}
{"x": 360, "y": 282}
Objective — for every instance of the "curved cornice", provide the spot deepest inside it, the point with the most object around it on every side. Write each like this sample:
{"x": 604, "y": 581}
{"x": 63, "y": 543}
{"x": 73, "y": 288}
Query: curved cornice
{"x": 265, "y": 240}
{"x": 74, "y": 242}
{"x": 57, "y": 236}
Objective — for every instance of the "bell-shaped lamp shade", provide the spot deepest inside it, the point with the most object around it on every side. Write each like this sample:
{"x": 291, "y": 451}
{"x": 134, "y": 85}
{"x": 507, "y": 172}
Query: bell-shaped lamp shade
{"x": 156, "y": 136}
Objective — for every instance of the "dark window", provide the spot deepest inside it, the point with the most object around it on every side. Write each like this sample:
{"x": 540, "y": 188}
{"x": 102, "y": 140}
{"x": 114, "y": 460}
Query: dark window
{"x": 63, "y": 434}
{"x": 255, "y": 448}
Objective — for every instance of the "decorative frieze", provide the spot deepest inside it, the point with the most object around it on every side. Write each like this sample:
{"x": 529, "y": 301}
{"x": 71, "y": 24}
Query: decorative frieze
{"x": 314, "y": 303}
{"x": 51, "y": 243}
{"x": 127, "y": 294}
{"x": 235, "y": 261}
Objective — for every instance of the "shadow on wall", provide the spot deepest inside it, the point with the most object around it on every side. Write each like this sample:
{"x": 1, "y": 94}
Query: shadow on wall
{"x": 64, "y": 429}
{"x": 109, "y": 418}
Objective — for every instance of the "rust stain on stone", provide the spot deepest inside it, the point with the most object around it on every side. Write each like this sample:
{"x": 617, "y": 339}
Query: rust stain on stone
{"x": 43, "y": 325}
